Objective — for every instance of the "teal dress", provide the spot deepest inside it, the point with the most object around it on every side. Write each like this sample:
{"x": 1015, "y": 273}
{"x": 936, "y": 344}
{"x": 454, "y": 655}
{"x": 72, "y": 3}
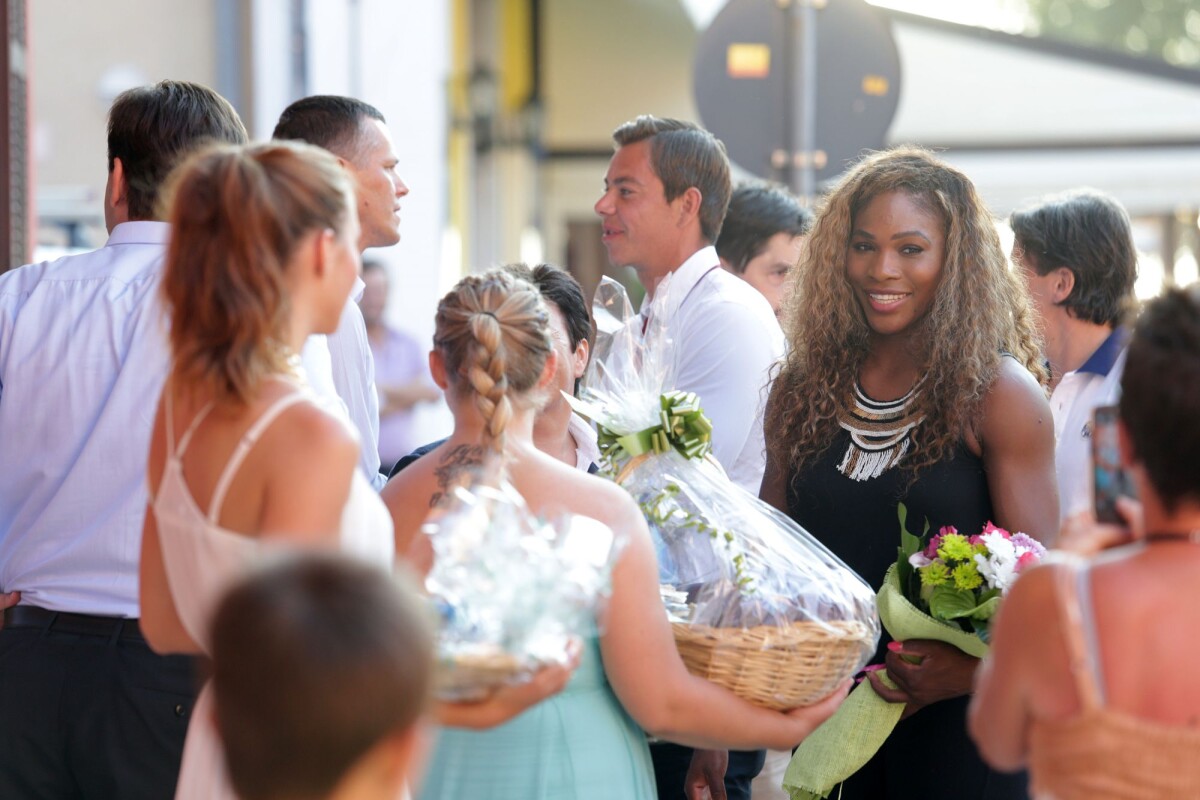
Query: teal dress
{"x": 578, "y": 745}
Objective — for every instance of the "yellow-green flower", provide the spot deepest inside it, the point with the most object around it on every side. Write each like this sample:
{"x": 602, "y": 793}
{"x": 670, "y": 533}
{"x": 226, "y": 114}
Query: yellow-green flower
{"x": 955, "y": 547}
{"x": 966, "y": 576}
{"x": 934, "y": 574}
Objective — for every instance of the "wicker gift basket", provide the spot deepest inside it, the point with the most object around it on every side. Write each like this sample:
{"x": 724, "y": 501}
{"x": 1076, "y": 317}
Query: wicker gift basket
{"x": 756, "y": 604}
{"x": 511, "y": 589}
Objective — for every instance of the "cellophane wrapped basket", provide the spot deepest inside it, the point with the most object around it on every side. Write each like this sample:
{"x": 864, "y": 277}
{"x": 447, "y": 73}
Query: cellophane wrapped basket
{"x": 511, "y": 589}
{"x": 756, "y": 603}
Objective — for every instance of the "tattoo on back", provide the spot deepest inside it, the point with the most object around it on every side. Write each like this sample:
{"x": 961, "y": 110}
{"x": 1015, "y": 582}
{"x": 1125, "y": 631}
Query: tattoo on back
{"x": 452, "y": 469}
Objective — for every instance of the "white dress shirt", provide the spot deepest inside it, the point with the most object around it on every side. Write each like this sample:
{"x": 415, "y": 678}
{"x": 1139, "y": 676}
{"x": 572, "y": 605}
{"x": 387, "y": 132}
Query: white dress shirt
{"x": 354, "y": 379}
{"x": 726, "y": 340}
{"x": 341, "y": 370}
{"x": 1077, "y": 395}
{"x": 83, "y": 358}
{"x": 587, "y": 449}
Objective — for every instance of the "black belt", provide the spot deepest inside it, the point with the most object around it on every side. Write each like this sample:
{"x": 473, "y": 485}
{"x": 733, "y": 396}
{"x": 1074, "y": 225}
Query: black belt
{"x": 67, "y": 622}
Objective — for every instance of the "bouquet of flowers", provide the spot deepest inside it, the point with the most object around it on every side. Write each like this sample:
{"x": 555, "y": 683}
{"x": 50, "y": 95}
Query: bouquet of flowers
{"x": 511, "y": 589}
{"x": 756, "y": 604}
{"x": 945, "y": 587}
{"x": 960, "y": 579}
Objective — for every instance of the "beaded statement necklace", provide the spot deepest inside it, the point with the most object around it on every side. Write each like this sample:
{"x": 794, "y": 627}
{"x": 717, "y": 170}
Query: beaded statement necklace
{"x": 880, "y": 433}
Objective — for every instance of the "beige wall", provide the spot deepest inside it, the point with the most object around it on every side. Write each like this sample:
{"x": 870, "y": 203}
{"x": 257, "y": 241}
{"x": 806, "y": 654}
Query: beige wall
{"x": 606, "y": 62}
{"x": 74, "y": 46}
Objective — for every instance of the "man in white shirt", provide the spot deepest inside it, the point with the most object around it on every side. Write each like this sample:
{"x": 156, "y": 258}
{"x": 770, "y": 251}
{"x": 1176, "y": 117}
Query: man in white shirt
{"x": 1076, "y": 254}
{"x": 665, "y": 197}
{"x": 357, "y": 134}
{"x": 86, "y": 709}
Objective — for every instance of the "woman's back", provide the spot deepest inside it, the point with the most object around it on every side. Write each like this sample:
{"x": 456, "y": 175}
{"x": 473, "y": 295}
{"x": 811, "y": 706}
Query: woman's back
{"x": 228, "y": 476}
{"x": 215, "y": 494}
{"x": 1113, "y": 719}
{"x": 580, "y": 743}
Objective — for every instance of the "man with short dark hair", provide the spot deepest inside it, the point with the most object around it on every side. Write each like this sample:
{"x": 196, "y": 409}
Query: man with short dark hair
{"x": 1076, "y": 255}
{"x": 88, "y": 710}
{"x": 357, "y": 134}
{"x": 762, "y": 238}
{"x": 665, "y": 197}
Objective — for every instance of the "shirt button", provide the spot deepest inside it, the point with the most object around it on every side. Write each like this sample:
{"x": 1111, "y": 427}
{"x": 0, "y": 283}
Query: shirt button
{"x": 178, "y": 710}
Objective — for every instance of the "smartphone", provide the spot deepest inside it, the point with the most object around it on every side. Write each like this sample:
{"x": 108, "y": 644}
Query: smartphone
{"x": 1109, "y": 481}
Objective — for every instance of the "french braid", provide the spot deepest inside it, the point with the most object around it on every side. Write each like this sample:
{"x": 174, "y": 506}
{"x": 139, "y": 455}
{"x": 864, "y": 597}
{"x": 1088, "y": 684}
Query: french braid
{"x": 494, "y": 335}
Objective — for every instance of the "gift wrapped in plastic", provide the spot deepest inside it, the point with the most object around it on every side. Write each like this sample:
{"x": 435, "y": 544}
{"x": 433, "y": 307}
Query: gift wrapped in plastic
{"x": 755, "y": 602}
{"x": 511, "y": 589}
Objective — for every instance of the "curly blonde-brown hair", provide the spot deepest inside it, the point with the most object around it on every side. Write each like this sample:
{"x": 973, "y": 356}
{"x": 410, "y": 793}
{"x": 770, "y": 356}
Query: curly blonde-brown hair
{"x": 981, "y": 312}
{"x": 493, "y": 331}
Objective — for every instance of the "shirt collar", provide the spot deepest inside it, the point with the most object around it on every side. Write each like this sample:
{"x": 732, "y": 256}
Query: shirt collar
{"x": 356, "y": 292}
{"x": 142, "y": 231}
{"x": 1101, "y": 362}
{"x": 680, "y": 283}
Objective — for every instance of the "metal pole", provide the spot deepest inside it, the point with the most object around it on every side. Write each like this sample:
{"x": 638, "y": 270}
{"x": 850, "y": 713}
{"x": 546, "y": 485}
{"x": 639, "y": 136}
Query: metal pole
{"x": 807, "y": 143}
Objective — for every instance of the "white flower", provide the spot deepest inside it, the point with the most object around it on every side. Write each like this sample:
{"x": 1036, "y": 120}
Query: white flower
{"x": 918, "y": 560}
{"x": 999, "y": 566}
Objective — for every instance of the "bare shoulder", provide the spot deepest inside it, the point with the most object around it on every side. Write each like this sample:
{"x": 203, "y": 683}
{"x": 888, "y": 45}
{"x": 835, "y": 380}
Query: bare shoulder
{"x": 305, "y": 436}
{"x": 1015, "y": 401}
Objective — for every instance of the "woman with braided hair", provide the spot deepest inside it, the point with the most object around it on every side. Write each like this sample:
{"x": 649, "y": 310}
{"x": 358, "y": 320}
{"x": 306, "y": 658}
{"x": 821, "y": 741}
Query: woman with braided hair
{"x": 493, "y": 356}
{"x": 912, "y": 377}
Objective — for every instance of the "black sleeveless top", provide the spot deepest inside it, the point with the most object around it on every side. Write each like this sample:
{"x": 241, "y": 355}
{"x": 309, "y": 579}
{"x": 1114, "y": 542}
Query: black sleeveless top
{"x": 930, "y": 755}
{"x": 857, "y": 519}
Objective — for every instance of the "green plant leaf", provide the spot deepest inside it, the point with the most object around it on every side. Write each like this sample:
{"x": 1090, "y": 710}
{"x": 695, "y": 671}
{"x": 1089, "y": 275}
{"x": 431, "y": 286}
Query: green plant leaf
{"x": 987, "y": 609}
{"x": 948, "y": 603}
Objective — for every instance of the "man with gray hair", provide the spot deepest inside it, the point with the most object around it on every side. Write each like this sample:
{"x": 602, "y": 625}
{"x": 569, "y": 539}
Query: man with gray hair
{"x": 1076, "y": 254}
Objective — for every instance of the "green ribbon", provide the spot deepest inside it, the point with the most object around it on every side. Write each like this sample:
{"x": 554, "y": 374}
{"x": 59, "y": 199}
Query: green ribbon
{"x": 682, "y": 427}
{"x": 845, "y": 742}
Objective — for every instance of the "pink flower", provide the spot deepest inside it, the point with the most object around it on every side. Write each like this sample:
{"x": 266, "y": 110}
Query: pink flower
{"x": 936, "y": 542}
{"x": 1027, "y": 558}
{"x": 976, "y": 539}
{"x": 990, "y": 528}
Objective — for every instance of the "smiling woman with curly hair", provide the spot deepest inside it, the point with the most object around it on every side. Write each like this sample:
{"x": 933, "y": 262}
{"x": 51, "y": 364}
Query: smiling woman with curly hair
{"x": 913, "y": 376}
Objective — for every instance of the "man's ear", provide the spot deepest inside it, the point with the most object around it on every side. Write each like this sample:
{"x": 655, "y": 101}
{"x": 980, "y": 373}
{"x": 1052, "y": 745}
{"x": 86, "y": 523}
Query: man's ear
{"x": 579, "y": 359}
{"x": 689, "y": 205}
{"x": 1063, "y": 284}
{"x": 117, "y": 188}
{"x": 437, "y": 368}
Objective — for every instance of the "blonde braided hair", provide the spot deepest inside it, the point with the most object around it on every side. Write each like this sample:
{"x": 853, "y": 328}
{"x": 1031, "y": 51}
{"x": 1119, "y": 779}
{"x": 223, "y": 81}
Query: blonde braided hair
{"x": 493, "y": 332}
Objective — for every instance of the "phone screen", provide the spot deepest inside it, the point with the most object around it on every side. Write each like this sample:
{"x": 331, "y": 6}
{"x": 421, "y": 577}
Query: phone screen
{"x": 1108, "y": 479}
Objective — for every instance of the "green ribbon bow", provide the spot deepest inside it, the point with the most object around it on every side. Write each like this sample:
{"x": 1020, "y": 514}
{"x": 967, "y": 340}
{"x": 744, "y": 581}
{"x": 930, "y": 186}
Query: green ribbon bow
{"x": 682, "y": 426}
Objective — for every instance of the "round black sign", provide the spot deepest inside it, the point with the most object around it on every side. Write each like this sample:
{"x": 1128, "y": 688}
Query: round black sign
{"x": 747, "y": 65}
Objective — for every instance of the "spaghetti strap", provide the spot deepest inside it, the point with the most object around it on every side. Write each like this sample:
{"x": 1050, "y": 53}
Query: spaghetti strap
{"x": 243, "y": 448}
{"x": 186, "y": 439}
{"x": 1069, "y": 577}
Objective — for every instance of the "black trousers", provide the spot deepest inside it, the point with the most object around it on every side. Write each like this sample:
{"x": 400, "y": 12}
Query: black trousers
{"x": 90, "y": 716}
{"x": 671, "y": 762}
